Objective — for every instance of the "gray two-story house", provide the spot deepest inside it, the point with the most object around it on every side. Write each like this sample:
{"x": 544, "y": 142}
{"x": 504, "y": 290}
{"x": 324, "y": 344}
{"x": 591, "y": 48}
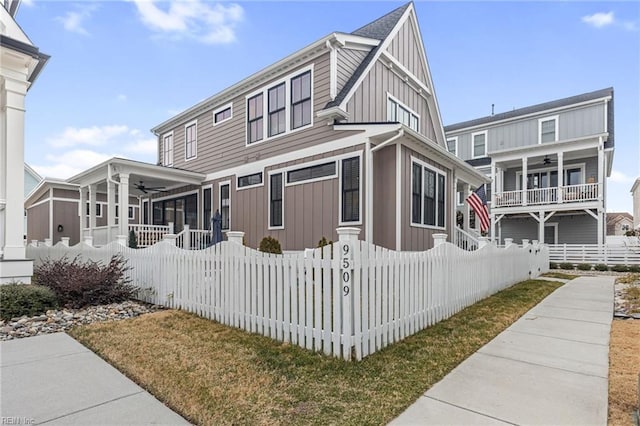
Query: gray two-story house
{"x": 548, "y": 165}
{"x": 344, "y": 132}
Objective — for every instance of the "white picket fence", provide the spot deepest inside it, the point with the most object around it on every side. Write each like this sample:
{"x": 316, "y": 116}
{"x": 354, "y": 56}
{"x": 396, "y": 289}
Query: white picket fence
{"x": 348, "y": 300}
{"x": 594, "y": 254}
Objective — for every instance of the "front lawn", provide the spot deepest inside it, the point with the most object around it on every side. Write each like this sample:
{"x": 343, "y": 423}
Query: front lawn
{"x": 214, "y": 374}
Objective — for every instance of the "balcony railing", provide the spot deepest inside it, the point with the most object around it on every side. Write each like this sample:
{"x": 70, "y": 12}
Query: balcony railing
{"x": 556, "y": 195}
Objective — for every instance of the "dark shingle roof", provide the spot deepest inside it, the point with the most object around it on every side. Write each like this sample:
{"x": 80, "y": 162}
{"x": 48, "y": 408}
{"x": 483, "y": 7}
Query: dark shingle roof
{"x": 539, "y": 108}
{"x": 379, "y": 30}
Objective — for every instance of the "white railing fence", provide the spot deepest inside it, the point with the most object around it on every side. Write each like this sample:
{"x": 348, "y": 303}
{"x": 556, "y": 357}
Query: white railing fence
{"x": 553, "y": 195}
{"x": 193, "y": 239}
{"x": 595, "y": 254}
{"x": 148, "y": 235}
{"x": 348, "y": 300}
{"x": 464, "y": 239}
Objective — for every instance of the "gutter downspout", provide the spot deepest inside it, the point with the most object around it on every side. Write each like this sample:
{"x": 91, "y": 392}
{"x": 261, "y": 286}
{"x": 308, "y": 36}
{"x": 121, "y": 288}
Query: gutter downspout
{"x": 368, "y": 231}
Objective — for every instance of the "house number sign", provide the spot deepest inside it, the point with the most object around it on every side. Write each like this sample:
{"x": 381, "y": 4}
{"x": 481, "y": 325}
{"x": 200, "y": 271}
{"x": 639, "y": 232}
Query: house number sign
{"x": 346, "y": 269}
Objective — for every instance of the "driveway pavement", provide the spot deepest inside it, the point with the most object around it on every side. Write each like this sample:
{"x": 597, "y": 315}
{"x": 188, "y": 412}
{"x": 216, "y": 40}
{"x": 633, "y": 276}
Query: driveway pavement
{"x": 53, "y": 379}
{"x": 548, "y": 368}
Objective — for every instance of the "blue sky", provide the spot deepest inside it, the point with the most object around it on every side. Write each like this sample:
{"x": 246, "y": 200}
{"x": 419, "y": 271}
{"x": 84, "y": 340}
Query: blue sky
{"x": 118, "y": 68}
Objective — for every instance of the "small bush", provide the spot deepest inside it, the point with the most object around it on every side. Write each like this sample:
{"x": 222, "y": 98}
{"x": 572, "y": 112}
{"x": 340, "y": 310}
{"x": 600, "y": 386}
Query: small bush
{"x": 584, "y": 267}
{"x": 133, "y": 240}
{"x": 620, "y": 268}
{"x": 81, "y": 284}
{"x": 17, "y": 300}
{"x": 601, "y": 267}
{"x": 270, "y": 245}
{"x": 566, "y": 265}
{"x": 553, "y": 265}
{"x": 634, "y": 268}
{"x": 324, "y": 242}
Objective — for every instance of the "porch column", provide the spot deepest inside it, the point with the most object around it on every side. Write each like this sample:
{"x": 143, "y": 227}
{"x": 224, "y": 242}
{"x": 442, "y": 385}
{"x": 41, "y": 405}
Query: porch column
{"x": 541, "y": 227}
{"x": 560, "y": 177}
{"x": 82, "y": 210}
{"x": 493, "y": 200}
{"x": 123, "y": 193}
{"x": 454, "y": 209}
{"x": 111, "y": 209}
{"x": 467, "y": 209}
{"x": 92, "y": 207}
{"x": 601, "y": 183}
{"x": 524, "y": 181}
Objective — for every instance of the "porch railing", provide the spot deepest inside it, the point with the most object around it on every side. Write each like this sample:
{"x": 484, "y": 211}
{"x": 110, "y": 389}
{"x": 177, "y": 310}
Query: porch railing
{"x": 148, "y": 235}
{"x": 193, "y": 239}
{"x": 555, "y": 195}
{"x": 464, "y": 239}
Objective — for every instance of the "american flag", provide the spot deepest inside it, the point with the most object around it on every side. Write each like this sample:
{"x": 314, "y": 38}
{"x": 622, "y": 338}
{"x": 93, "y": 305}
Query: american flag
{"x": 478, "y": 202}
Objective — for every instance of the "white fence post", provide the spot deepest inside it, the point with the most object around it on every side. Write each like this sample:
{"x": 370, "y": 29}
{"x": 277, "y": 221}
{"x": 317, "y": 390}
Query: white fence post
{"x": 186, "y": 243}
{"x": 88, "y": 240}
{"x": 34, "y": 243}
{"x": 439, "y": 239}
{"x": 122, "y": 240}
{"x": 171, "y": 227}
{"x": 347, "y": 238}
{"x": 482, "y": 242}
{"x": 47, "y": 242}
{"x": 525, "y": 243}
{"x": 235, "y": 237}
{"x": 508, "y": 242}
{"x": 170, "y": 238}
{"x": 64, "y": 241}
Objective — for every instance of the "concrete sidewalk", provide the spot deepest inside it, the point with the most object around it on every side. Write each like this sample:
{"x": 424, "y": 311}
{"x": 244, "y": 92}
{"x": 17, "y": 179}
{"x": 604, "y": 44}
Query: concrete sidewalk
{"x": 53, "y": 379}
{"x": 550, "y": 367}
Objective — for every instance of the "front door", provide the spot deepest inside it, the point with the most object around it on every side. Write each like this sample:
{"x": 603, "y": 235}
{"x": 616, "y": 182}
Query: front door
{"x": 551, "y": 233}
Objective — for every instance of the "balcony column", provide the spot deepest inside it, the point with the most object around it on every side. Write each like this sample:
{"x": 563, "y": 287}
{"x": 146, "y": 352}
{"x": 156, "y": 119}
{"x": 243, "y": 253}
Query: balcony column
{"x": 601, "y": 199}
{"x": 467, "y": 208}
{"x": 560, "y": 177}
{"x": 123, "y": 192}
{"x": 92, "y": 207}
{"x": 541, "y": 227}
{"x": 111, "y": 210}
{"x": 492, "y": 217}
{"x": 82, "y": 209}
{"x": 524, "y": 181}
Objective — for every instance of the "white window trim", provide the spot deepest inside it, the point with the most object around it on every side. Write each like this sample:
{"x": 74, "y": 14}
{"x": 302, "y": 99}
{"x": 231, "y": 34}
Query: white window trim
{"x": 358, "y": 222}
{"x": 486, "y": 142}
{"x": 239, "y": 188}
{"x": 454, "y": 138}
{"x": 541, "y": 120}
{"x": 97, "y": 204}
{"x": 201, "y": 203}
{"x": 173, "y": 145}
{"x": 310, "y": 164}
{"x": 438, "y": 171}
{"x": 460, "y": 196}
{"x": 220, "y": 109}
{"x": 565, "y": 167}
{"x": 220, "y": 185}
{"x": 143, "y": 210}
{"x": 284, "y": 179}
{"x": 402, "y": 104}
{"x": 555, "y": 231}
{"x": 265, "y": 107}
{"x": 189, "y": 124}
{"x": 131, "y": 209}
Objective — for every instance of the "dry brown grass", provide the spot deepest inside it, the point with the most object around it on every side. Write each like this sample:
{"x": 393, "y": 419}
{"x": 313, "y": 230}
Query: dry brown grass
{"x": 213, "y": 374}
{"x": 624, "y": 367}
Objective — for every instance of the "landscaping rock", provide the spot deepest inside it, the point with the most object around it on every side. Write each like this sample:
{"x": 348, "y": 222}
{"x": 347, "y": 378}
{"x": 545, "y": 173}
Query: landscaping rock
{"x": 56, "y": 321}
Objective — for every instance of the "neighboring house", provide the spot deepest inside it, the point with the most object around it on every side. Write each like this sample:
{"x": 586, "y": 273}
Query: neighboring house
{"x": 31, "y": 180}
{"x": 344, "y": 132}
{"x": 618, "y": 224}
{"x": 635, "y": 193}
{"x": 548, "y": 165}
{"x": 21, "y": 63}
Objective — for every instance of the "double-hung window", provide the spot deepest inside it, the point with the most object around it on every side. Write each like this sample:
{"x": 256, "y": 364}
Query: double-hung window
{"x": 452, "y": 145}
{"x": 190, "y": 141}
{"x": 479, "y": 144}
{"x": 301, "y": 100}
{"x": 167, "y": 149}
{"x": 225, "y": 206}
{"x": 548, "y": 129}
{"x": 276, "y": 211}
{"x": 428, "y": 191}
{"x": 351, "y": 190}
{"x": 277, "y": 113}
{"x": 255, "y": 119}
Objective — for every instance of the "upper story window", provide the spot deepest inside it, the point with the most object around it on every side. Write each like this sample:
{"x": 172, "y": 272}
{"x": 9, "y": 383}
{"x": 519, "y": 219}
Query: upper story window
{"x": 350, "y": 194}
{"x": 301, "y": 100}
{"x": 222, "y": 114}
{"x": 277, "y": 111}
{"x": 167, "y": 149}
{"x": 190, "y": 141}
{"x": 312, "y": 172}
{"x": 452, "y": 146}
{"x": 396, "y": 111}
{"x": 288, "y": 106}
{"x": 548, "y": 129}
{"x": 254, "y": 117}
{"x": 479, "y": 144}
{"x": 250, "y": 180}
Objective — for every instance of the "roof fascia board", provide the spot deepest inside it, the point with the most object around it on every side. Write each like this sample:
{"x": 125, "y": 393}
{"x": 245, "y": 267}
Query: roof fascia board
{"x": 396, "y": 64}
{"x": 310, "y": 52}
{"x": 44, "y": 186}
{"x": 530, "y": 115}
{"x": 349, "y": 41}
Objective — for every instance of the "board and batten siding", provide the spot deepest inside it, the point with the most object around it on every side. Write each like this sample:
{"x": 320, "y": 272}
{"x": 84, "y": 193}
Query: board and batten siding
{"x": 405, "y": 47}
{"x": 223, "y": 146}
{"x": 416, "y": 238}
{"x": 38, "y": 222}
{"x": 572, "y": 123}
{"x": 369, "y": 101}
{"x": 348, "y": 61}
{"x": 65, "y": 213}
{"x": 590, "y": 171}
{"x": 384, "y": 197}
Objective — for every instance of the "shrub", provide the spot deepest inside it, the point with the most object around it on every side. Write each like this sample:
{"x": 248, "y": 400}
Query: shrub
{"x": 270, "y": 245}
{"x": 620, "y": 268}
{"x": 324, "y": 242}
{"x": 566, "y": 265}
{"x": 91, "y": 283}
{"x": 17, "y": 300}
{"x": 133, "y": 240}
{"x": 584, "y": 267}
{"x": 601, "y": 267}
{"x": 553, "y": 265}
{"x": 634, "y": 268}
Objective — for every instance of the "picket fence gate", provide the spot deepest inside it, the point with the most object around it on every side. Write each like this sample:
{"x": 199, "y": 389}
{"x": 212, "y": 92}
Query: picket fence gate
{"x": 349, "y": 299}
{"x": 593, "y": 254}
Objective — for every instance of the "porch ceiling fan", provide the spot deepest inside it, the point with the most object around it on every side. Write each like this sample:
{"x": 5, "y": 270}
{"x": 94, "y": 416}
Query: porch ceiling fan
{"x": 546, "y": 161}
{"x": 142, "y": 187}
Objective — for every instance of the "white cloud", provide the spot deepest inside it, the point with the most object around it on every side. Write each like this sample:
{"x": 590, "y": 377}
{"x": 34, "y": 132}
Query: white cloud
{"x": 65, "y": 165}
{"x": 143, "y": 146}
{"x": 600, "y": 19}
{"x": 205, "y": 22}
{"x": 93, "y": 136}
{"x": 73, "y": 21}
{"x": 619, "y": 177}
{"x": 27, "y": 3}
{"x": 121, "y": 97}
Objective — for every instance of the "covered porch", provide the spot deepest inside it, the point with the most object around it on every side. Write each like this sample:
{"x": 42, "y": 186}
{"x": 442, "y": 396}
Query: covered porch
{"x": 120, "y": 182}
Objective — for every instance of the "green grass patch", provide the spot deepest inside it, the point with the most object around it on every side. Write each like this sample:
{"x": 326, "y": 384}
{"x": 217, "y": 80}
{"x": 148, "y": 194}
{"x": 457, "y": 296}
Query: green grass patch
{"x": 214, "y": 374}
{"x": 560, "y": 275}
